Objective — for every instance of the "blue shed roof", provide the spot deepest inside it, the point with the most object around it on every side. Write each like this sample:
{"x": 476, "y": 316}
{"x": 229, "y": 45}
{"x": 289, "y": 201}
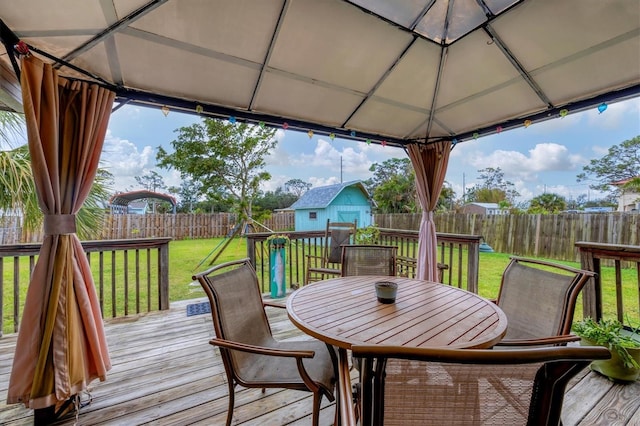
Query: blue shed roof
{"x": 322, "y": 196}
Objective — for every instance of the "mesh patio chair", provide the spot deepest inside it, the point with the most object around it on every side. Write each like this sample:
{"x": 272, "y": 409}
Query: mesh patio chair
{"x": 368, "y": 259}
{"x": 251, "y": 356}
{"x": 336, "y": 235}
{"x": 539, "y": 299}
{"x": 414, "y": 386}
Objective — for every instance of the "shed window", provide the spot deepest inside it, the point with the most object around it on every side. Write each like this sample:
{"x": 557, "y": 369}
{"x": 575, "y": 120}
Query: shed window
{"x": 313, "y": 215}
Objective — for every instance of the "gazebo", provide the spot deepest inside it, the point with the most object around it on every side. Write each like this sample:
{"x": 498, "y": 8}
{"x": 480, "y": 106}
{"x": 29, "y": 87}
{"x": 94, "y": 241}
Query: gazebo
{"x": 423, "y": 75}
{"x": 120, "y": 201}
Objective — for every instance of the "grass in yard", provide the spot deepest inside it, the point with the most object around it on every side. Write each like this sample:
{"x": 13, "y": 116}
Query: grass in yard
{"x": 186, "y": 255}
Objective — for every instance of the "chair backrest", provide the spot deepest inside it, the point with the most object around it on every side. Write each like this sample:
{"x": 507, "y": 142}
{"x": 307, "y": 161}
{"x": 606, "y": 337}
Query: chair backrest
{"x": 237, "y": 310}
{"x": 414, "y": 386}
{"x": 336, "y": 235}
{"x": 365, "y": 259}
{"x": 539, "y": 297}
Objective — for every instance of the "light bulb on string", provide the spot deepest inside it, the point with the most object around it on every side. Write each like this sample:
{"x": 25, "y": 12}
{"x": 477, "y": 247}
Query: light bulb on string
{"x": 310, "y": 134}
{"x": 527, "y": 123}
{"x": 332, "y": 136}
{"x": 165, "y": 110}
{"x": 563, "y": 113}
{"x": 602, "y": 107}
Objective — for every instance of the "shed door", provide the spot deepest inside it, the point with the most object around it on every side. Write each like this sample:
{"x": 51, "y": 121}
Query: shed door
{"x": 349, "y": 216}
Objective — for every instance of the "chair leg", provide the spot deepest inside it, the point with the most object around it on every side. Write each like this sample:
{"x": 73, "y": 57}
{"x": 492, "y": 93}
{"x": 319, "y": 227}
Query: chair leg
{"x": 231, "y": 402}
{"x": 317, "y": 399}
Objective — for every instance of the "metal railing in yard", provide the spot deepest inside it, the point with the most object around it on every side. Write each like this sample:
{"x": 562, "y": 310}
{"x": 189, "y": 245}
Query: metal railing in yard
{"x": 131, "y": 276}
{"x": 625, "y": 259}
{"x": 459, "y": 252}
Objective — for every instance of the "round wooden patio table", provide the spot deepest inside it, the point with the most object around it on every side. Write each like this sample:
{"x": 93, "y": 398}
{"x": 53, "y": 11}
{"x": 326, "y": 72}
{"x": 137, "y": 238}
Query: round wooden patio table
{"x": 345, "y": 311}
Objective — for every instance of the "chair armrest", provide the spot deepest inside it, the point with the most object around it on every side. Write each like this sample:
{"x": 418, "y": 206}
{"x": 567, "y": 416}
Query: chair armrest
{"x": 273, "y": 304}
{"x": 552, "y": 340}
{"x": 261, "y": 350}
{"x": 327, "y": 271}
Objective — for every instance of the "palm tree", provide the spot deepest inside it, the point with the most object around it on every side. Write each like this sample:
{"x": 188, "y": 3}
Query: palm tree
{"x": 547, "y": 203}
{"x": 633, "y": 185}
{"x": 17, "y": 188}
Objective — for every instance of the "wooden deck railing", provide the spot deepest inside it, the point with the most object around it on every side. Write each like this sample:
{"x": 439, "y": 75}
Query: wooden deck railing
{"x": 459, "y": 252}
{"x": 627, "y": 293}
{"x": 131, "y": 276}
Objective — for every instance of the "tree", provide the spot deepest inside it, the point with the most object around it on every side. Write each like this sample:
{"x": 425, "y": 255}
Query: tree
{"x": 278, "y": 199}
{"x": 388, "y": 170}
{"x": 151, "y": 181}
{"x": 187, "y": 195}
{"x": 18, "y": 192}
{"x": 620, "y": 163}
{"x": 393, "y": 186}
{"x": 633, "y": 185}
{"x": 547, "y": 203}
{"x": 297, "y": 187}
{"x": 227, "y": 159}
{"x": 447, "y": 197}
{"x": 493, "y": 188}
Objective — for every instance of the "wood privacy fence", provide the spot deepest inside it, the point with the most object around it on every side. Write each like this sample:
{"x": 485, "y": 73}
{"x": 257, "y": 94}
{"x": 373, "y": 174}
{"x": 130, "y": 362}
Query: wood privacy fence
{"x": 178, "y": 227}
{"x": 551, "y": 236}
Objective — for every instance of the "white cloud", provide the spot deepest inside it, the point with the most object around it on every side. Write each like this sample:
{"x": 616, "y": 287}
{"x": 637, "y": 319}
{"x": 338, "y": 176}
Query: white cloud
{"x": 544, "y": 157}
{"x": 125, "y": 161}
{"x": 354, "y": 162}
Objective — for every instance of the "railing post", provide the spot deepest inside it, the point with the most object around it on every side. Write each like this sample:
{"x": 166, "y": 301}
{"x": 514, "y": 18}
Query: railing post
{"x": 473, "y": 260}
{"x": 592, "y": 291}
{"x": 251, "y": 250}
{"x": 163, "y": 276}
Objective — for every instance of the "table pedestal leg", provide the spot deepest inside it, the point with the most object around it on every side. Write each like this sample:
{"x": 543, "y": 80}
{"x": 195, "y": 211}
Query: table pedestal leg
{"x": 344, "y": 401}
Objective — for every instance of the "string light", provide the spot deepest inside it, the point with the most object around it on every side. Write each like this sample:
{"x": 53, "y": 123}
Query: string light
{"x": 165, "y": 110}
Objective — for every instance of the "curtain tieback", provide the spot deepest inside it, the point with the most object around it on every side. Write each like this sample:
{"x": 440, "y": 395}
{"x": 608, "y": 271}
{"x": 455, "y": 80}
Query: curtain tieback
{"x": 59, "y": 224}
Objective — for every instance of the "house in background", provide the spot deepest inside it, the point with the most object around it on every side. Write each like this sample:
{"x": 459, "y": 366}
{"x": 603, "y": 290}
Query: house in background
{"x": 344, "y": 202}
{"x": 487, "y": 209}
{"x": 137, "y": 207}
{"x": 629, "y": 200}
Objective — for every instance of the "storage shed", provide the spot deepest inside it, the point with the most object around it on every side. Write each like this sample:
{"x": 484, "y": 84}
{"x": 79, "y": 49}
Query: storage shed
{"x": 488, "y": 209}
{"x": 344, "y": 202}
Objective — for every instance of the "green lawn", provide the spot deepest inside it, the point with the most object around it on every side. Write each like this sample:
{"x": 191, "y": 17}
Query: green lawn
{"x": 186, "y": 255}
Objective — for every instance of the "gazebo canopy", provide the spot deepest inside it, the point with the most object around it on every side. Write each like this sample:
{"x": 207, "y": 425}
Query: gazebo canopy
{"x": 125, "y": 198}
{"x": 392, "y": 71}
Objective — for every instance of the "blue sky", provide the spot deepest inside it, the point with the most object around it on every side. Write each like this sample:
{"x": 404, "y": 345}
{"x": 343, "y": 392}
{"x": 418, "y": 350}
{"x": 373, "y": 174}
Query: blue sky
{"x": 543, "y": 157}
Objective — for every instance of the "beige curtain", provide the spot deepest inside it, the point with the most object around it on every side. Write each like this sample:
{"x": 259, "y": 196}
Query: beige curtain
{"x": 61, "y": 345}
{"x": 430, "y": 164}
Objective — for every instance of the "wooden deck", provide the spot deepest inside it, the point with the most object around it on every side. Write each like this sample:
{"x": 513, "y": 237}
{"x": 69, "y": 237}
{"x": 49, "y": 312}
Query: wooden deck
{"x": 166, "y": 373}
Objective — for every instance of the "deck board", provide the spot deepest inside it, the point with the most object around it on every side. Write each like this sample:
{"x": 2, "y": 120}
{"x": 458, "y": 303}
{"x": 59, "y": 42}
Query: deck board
{"x": 166, "y": 373}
